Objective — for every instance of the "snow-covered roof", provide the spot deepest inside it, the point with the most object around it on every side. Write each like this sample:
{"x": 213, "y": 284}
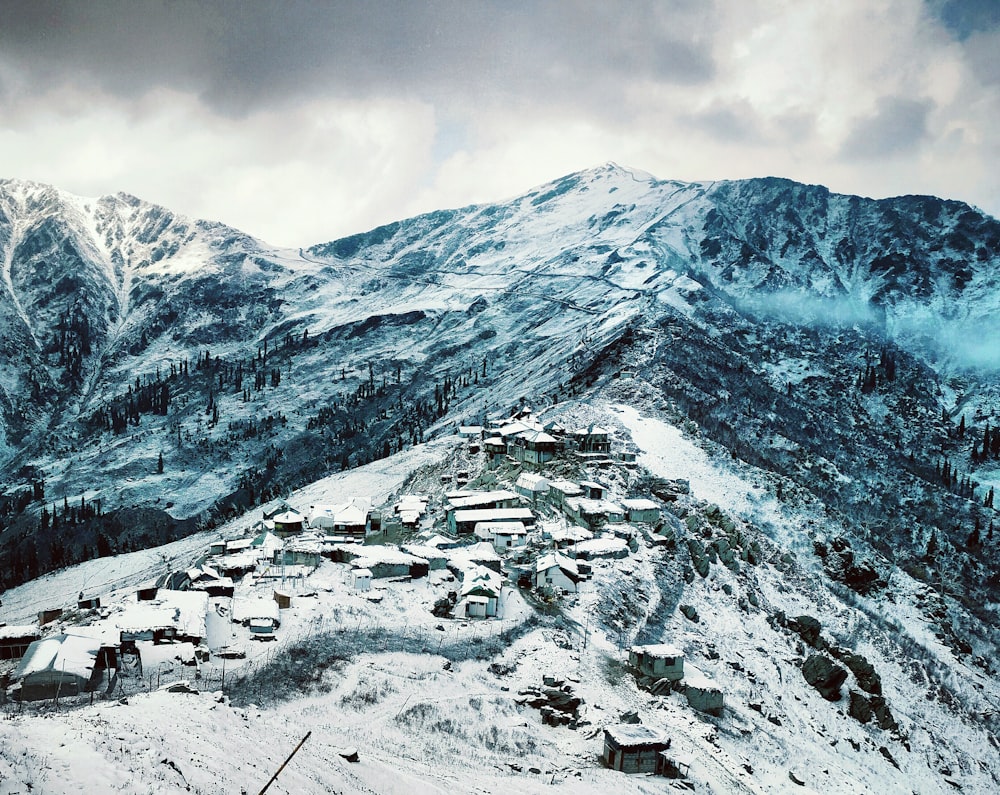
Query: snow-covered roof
{"x": 658, "y": 650}
{"x": 183, "y": 610}
{"x": 494, "y": 515}
{"x": 572, "y": 533}
{"x": 255, "y": 607}
{"x": 238, "y": 544}
{"x": 567, "y": 487}
{"x": 552, "y": 559}
{"x": 470, "y": 430}
{"x": 601, "y": 546}
{"x": 68, "y": 653}
{"x": 501, "y": 528}
{"x": 376, "y": 554}
{"x": 18, "y": 631}
{"x": 594, "y": 507}
{"x": 532, "y": 481}
{"x": 697, "y": 679}
{"x": 361, "y": 573}
{"x": 468, "y": 499}
{"x": 481, "y": 578}
{"x": 288, "y": 517}
{"x": 628, "y": 735}
{"x": 536, "y": 436}
{"x": 426, "y": 551}
{"x": 639, "y": 504}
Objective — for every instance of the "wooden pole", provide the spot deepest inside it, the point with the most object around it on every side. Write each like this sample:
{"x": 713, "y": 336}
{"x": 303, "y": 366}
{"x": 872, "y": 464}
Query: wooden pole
{"x": 294, "y": 751}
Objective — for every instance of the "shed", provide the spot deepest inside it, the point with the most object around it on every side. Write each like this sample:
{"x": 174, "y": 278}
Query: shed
{"x": 641, "y": 510}
{"x": 480, "y": 596}
{"x": 58, "y": 665}
{"x": 47, "y": 616}
{"x": 361, "y": 579}
{"x": 703, "y": 694}
{"x": 93, "y": 603}
{"x": 282, "y": 599}
{"x": 633, "y": 747}
{"x": 660, "y": 661}
{"x": 15, "y": 640}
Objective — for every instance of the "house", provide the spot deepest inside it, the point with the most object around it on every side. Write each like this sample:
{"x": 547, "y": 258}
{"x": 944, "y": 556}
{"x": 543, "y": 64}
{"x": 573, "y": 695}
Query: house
{"x": 361, "y": 579}
{"x": 172, "y": 615}
{"x": 209, "y": 580}
{"x": 480, "y": 500}
{"x": 560, "y": 490}
{"x": 633, "y": 748}
{"x": 15, "y": 640}
{"x": 482, "y": 554}
{"x": 346, "y": 520}
{"x": 288, "y": 523}
{"x": 532, "y": 486}
{"x": 435, "y": 556}
{"x": 306, "y": 550}
{"x": 496, "y": 450}
{"x": 558, "y": 572}
{"x": 504, "y": 536}
{"x": 60, "y": 665}
{"x": 703, "y": 694}
{"x": 592, "y": 514}
{"x": 570, "y": 536}
{"x": 638, "y": 510}
{"x": 659, "y": 661}
{"x": 480, "y": 594}
{"x": 593, "y": 490}
{"x": 463, "y": 522}
{"x": 390, "y": 561}
{"x": 237, "y": 564}
{"x": 533, "y": 447}
{"x": 266, "y": 543}
{"x": 592, "y": 439}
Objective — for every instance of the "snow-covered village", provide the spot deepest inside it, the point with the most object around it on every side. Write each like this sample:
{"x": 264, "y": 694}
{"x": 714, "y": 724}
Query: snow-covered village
{"x": 478, "y": 602}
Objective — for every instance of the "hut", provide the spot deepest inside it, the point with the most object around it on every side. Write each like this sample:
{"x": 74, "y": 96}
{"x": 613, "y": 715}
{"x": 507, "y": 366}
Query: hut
{"x": 639, "y": 510}
{"x": 633, "y": 748}
{"x": 361, "y": 579}
{"x": 282, "y": 599}
{"x": 532, "y": 486}
{"x": 49, "y": 615}
{"x": 15, "y": 640}
{"x": 288, "y": 523}
{"x": 59, "y": 665}
{"x": 463, "y": 522}
{"x": 703, "y": 694}
{"x": 659, "y": 661}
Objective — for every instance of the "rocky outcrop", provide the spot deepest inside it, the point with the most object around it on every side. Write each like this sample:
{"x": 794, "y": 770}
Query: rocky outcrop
{"x": 824, "y": 675}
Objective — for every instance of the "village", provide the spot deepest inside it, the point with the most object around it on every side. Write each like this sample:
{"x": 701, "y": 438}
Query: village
{"x": 508, "y": 533}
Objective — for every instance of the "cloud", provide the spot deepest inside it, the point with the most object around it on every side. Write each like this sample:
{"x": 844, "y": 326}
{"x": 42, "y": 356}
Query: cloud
{"x": 301, "y": 120}
{"x": 898, "y": 125}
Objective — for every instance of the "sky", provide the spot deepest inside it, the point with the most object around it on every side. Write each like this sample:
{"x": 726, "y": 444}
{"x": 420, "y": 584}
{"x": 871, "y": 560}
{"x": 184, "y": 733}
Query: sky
{"x": 301, "y": 122}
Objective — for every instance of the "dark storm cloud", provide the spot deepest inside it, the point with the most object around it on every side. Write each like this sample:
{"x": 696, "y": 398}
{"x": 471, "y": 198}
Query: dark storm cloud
{"x": 237, "y": 55}
{"x": 966, "y": 17}
{"x": 898, "y": 125}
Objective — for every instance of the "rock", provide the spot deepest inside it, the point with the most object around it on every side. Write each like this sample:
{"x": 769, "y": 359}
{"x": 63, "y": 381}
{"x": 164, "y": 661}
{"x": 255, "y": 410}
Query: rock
{"x": 349, "y": 754}
{"x": 795, "y": 779}
{"x": 690, "y": 613}
{"x": 883, "y": 715}
{"x": 808, "y": 628}
{"x": 629, "y": 717}
{"x": 885, "y": 752}
{"x": 864, "y": 672}
{"x": 824, "y": 675}
{"x": 860, "y": 707}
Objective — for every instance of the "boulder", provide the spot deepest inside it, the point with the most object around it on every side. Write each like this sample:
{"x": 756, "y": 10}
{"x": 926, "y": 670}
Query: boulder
{"x": 860, "y": 707}
{"x": 807, "y": 628}
{"x": 690, "y": 613}
{"x": 824, "y": 675}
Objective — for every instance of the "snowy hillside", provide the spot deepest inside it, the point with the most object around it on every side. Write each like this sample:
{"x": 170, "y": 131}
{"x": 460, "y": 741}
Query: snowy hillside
{"x": 435, "y": 704}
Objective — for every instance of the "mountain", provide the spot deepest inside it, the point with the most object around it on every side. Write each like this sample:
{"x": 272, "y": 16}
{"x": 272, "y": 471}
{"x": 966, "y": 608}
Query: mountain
{"x": 133, "y": 336}
{"x": 821, "y": 369}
